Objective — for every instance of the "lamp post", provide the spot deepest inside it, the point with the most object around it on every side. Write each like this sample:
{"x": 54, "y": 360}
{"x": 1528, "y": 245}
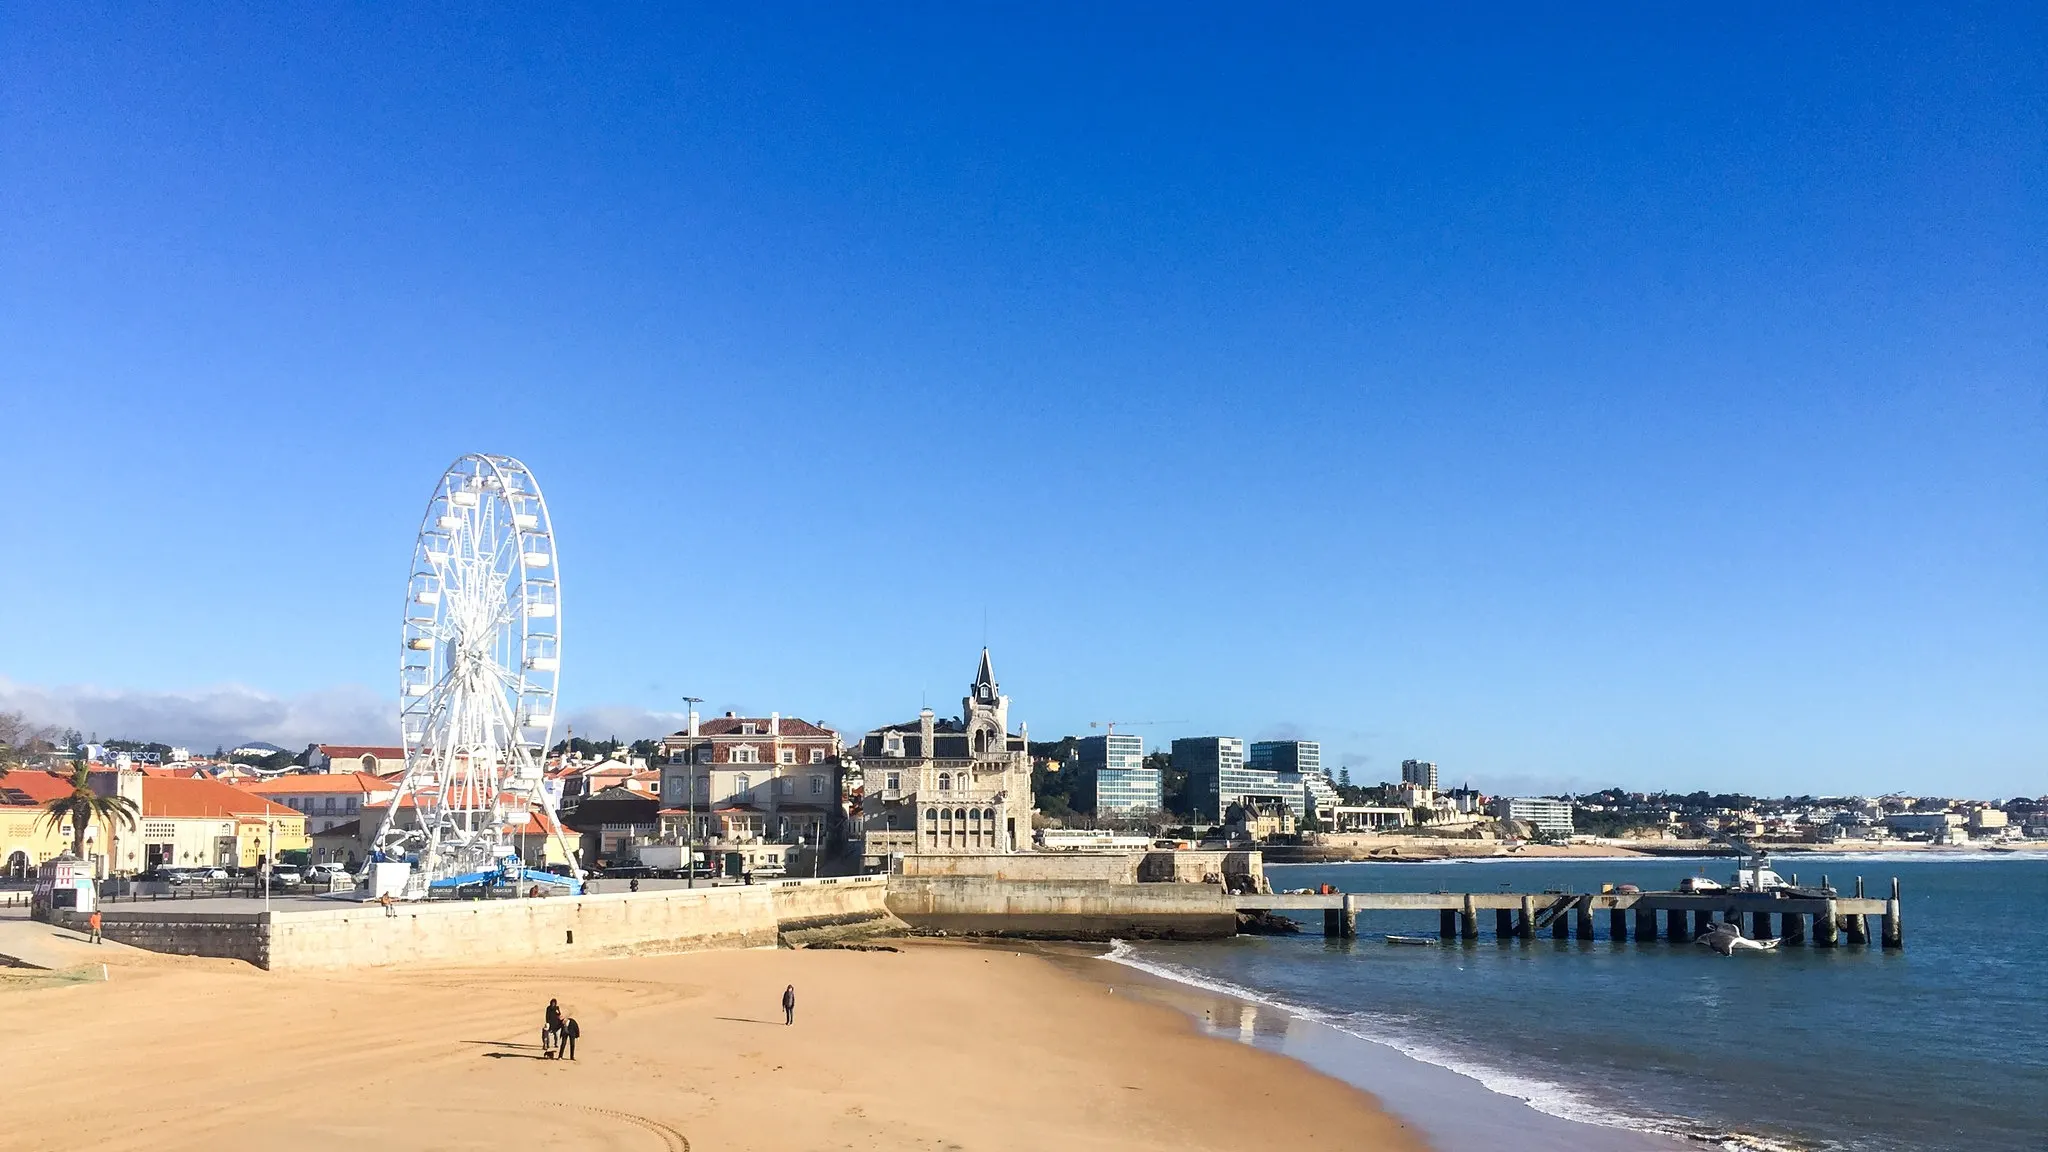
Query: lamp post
{"x": 690, "y": 789}
{"x": 269, "y": 858}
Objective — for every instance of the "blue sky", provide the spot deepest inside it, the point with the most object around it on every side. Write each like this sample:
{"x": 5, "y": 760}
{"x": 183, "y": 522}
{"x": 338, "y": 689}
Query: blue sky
{"x": 1656, "y": 399}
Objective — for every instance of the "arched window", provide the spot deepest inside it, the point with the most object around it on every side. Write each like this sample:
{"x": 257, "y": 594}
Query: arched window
{"x": 369, "y": 763}
{"x": 742, "y": 782}
{"x": 931, "y": 816}
{"x": 961, "y": 815}
{"x": 989, "y": 814}
{"x": 945, "y": 782}
{"x": 981, "y": 739}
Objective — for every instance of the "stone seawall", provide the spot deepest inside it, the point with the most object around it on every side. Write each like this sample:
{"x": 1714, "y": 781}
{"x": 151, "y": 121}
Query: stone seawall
{"x": 1062, "y": 909}
{"x": 361, "y": 935}
{"x": 232, "y": 935}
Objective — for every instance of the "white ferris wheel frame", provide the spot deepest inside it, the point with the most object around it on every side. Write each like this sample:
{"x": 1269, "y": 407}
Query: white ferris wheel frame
{"x": 478, "y": 676}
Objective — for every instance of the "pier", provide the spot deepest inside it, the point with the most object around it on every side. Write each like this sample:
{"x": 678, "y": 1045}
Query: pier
{"x": 1821, "y": 922}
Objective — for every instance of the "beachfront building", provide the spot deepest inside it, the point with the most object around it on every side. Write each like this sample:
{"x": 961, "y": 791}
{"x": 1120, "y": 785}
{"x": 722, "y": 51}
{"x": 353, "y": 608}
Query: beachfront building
{"x": 1544, "y": 814}
{"x": 933, "y": 786}
{"x": 1320, "y": 797}
{"x": 325, "y": 799}
{"x": 1123, "y": 785}
{"x": 183, "y": 822}
{"x": 751, "y": 787}
{"x": 1421, "y": 773}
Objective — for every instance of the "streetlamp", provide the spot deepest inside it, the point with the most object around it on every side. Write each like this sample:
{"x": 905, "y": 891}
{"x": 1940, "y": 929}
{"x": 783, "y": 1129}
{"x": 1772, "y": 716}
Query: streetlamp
{"x": 690, "y": 789}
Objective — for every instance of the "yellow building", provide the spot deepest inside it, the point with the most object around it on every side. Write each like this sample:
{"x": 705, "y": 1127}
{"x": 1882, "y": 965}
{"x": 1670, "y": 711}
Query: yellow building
{"x": 199, "y": 823}
{"x": 26, "y": 839}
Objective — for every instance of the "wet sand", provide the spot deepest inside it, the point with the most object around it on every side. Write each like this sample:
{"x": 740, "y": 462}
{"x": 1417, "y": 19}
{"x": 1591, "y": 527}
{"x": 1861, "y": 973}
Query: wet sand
{"x": 940, "y": 1046}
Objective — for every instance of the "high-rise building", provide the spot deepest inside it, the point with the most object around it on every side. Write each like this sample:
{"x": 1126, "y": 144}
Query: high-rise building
{"x": 1123, "y": 785}
{"x": 1421, "y": 772}
{"x": 1207, "y": 762}
{"x": 1285, "y": 756}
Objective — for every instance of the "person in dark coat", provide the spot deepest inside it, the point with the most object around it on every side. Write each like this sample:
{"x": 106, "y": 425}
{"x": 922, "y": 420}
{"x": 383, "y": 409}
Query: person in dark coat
{"x": 552, "y": 1030}
{"x": 789, "y": 1005}
{"x": 570, "y": 1031}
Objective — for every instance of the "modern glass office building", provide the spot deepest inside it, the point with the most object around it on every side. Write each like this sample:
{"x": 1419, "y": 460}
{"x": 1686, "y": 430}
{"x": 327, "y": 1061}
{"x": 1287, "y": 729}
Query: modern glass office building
{"x": 1302, "y": 756}
{"x": 1208, "y": 761}
{"x": 1123, "y": 785}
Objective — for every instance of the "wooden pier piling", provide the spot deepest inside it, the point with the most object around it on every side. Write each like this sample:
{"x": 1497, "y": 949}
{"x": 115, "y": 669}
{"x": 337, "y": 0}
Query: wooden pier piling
{"x": 1894, "y": 931}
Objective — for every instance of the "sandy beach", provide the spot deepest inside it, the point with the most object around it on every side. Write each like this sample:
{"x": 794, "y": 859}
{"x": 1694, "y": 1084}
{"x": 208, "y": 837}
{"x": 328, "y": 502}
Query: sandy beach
{"x": 939, "y": 1046}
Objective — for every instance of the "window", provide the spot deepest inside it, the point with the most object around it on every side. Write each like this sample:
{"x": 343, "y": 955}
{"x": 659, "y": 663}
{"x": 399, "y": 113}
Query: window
{"x": 817, "y": 785}
{"x": 989, "y": 815}
{"x": 931, "y": 816}
{"x": 749, "y": 729}
{"x": 742, "y": 783}
{"x": 789, "y": 755}
{"x": 704, "y": 754}
{"x": 945, "y": 782}
{"x": 895, "y": 783}
{"x": 817, "y": 755}
{"x": 746, "y": 754}
{"x": 892, "y": 744}
{"x": 785, "y": 786}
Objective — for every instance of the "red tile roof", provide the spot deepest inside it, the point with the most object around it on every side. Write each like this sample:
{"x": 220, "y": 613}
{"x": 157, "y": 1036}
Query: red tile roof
{"x": 24, "y": 788}
{"x": 166, "y": 798}
{"x": 305, "y": 783}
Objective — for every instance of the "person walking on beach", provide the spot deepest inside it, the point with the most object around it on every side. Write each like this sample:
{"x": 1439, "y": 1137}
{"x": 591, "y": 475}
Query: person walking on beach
{"x": 93, "y": 922}
{"x": 789, "y": 1005}
{"x": 570, "y": 1031}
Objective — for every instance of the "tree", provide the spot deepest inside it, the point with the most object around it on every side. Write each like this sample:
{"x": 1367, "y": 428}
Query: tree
{"x": 1424, "y": 814}
{"x": 1344, "y": 777}
{"x": 82, "y": 806}
{"x": 20, "y": 739}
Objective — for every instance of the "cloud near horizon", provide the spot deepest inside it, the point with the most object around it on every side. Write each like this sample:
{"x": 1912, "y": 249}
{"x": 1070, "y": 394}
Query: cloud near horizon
{"x": 222, "y": 715}
{"x": 226, "y": 715}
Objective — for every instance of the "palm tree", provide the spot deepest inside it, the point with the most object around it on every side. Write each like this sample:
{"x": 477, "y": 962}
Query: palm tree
{"x": 82, "y": 806}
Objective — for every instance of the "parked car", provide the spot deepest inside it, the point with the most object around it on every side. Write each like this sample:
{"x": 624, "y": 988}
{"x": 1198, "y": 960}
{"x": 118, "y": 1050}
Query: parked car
{"x": 286, "y": 876}
{"x": 326, "y": 874}
{"x": 199, "y": 876}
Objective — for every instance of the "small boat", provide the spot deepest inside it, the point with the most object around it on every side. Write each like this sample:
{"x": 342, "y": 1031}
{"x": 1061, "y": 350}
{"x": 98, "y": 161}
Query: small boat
{"x": 1424, "y": 941}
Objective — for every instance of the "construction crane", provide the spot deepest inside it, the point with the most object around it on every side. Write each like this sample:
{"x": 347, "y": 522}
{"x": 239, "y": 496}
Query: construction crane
{"x": 1111, "y": 725}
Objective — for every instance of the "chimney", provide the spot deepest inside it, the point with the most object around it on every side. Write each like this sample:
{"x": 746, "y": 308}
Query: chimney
{"x": 775, "y": 723}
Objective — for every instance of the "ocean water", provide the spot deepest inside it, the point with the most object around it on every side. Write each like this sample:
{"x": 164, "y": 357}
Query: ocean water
{"x": 1941, "y": 1046}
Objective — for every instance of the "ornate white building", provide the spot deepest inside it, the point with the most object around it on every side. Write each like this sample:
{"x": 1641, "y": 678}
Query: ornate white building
{"x": 935, "y": 787}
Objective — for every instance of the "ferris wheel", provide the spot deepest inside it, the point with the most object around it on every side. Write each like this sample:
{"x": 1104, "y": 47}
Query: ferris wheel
{"x": 480, "y": 654}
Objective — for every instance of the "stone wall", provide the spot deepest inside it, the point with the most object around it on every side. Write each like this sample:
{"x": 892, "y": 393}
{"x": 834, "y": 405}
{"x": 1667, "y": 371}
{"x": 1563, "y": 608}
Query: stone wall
{"x": 1062, "y": 909}
{"x": 359, "y": 935}
{"x": 1238, "y": 869}
{"x": 234, "y": 935}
